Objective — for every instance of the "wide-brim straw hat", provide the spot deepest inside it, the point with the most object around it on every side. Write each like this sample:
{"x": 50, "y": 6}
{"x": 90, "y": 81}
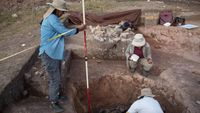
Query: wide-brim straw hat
{"x": 56, "y": 4}
{"x": 146, "y": 92}
{"x": 138, "y": 40}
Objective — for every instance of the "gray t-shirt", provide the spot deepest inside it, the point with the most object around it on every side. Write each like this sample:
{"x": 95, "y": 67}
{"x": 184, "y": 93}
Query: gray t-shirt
{"x": 145, "y": 105}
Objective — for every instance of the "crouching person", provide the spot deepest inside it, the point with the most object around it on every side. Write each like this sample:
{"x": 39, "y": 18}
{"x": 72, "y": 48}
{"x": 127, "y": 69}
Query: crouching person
{"x": 145, "y": 103}
{"x": 139, "y": 52}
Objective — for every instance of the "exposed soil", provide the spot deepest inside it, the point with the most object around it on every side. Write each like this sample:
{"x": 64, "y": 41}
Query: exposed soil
{"x": 113, "y": 89}
{"x": 175, "y": 40}
{"x": 113, "y": 93}
{"x": 175, "y": 77}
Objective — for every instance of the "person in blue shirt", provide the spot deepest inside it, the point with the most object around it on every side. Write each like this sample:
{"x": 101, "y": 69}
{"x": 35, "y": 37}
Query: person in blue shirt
{"x": 52, "y": 51}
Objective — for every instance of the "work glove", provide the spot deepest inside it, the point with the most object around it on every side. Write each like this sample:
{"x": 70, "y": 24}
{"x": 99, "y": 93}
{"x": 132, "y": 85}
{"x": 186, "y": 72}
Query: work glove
{"x": 81, "y": 27}
{"x": 149, "y": 60}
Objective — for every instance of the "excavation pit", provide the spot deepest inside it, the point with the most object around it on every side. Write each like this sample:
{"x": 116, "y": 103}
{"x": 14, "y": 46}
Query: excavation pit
{"x": 105, "y": 103}
{"x": 113, "y": 89}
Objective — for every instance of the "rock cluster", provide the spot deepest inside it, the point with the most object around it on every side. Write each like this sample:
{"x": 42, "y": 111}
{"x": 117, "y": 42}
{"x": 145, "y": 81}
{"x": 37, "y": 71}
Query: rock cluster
{"x": 109, "y": 42}
{"x": 111, "y": 33}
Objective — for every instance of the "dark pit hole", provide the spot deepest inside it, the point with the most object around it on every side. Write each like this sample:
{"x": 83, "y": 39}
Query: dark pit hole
{"x": 115, "y": 94}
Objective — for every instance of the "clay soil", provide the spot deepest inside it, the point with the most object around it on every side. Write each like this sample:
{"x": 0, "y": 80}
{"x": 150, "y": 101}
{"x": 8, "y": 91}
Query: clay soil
{"x": 113, "y": 88}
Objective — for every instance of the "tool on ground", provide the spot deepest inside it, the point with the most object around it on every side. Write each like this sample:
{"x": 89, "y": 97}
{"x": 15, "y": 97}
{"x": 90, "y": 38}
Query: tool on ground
{"x": 86, "y": 62}
{"x": 189, "y": 26}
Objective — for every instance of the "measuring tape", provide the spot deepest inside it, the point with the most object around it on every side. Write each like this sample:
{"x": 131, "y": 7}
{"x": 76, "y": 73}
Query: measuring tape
{"x": 59, "y": 35}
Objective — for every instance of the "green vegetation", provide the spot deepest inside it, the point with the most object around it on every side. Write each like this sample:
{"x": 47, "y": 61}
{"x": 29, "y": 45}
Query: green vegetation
{"x": 99, "y": 5}
{"x": 26, "y": 21}
{"x": 95, "y": 5}
{"x": 6, "y": 19}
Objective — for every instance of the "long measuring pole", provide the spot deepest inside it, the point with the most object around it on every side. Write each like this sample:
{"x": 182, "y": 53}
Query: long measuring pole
{"x": 86, "y": 60}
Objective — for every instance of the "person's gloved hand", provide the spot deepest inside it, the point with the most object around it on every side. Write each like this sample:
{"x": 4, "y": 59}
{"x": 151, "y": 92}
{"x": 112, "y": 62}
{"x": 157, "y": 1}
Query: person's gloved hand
{"x": 149, "y": 60}
{"x": 129, "y": 58}
{"x": 81, "y": 27}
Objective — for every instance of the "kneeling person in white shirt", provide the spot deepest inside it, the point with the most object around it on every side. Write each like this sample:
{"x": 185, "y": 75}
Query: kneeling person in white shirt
{"x": 146, "y": 103}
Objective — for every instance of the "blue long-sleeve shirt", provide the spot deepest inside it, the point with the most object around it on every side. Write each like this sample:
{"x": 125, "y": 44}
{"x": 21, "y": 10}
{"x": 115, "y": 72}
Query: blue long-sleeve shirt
{"x": 52, "y": 26}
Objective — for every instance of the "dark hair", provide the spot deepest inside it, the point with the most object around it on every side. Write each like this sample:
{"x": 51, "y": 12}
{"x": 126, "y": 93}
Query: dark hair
{"x": 141, "y": 97}
{"x": 54, "y": 12}
{"x": 41, "y": 22}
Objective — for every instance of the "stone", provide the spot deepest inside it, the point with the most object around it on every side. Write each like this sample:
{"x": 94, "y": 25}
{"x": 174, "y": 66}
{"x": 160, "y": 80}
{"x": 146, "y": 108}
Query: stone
{"x": 25, "y": 93}
{"x": 157, "y": 46}
{"x": 99, "y": 61}
{"x": 34, "y": 68}
{"x": 27, "y": 76}
{"x": 110, "y": 40}
{"x": 91, "y": 29}
{"x": 37, "y": 73}
{"x": 14, "y": 15}
{"x": 23, "y": 45}
{"x": 198, "y": 102}
{"x": 116, "y": 39}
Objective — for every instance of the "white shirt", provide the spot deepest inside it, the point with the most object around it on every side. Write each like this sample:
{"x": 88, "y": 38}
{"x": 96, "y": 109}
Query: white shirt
{"x": 145, "y": 105}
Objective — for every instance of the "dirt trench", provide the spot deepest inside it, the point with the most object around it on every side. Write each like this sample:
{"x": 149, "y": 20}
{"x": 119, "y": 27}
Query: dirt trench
{"x": 112, "y": 87}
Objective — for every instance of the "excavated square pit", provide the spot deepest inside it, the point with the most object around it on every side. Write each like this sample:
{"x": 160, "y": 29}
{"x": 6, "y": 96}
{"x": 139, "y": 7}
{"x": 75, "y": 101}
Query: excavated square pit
{"x": 113, "y": 89}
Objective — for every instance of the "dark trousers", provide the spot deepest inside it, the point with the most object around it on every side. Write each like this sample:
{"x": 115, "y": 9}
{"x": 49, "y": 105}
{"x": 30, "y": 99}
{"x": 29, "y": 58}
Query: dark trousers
{"x": 52, "y": 67}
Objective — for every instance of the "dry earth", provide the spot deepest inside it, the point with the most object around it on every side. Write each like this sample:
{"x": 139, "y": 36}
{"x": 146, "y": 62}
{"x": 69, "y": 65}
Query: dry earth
{"x": 176, "y": 54}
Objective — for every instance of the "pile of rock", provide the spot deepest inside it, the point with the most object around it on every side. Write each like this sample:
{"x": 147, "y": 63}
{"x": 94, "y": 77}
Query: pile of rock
{"x": 111, "y": 33}
{"x": 109, "y": 42}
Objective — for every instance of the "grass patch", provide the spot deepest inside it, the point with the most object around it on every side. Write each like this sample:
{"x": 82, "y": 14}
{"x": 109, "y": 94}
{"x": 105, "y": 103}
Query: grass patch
{"x": 94, "y": 5}
{"x": 99, "y": 5}
{"x": 26, "y": 22}
{"x": 6, "y": 19}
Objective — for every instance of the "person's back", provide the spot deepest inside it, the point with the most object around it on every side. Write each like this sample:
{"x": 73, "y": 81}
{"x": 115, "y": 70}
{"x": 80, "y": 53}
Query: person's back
{"x": 145, "y": 105}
